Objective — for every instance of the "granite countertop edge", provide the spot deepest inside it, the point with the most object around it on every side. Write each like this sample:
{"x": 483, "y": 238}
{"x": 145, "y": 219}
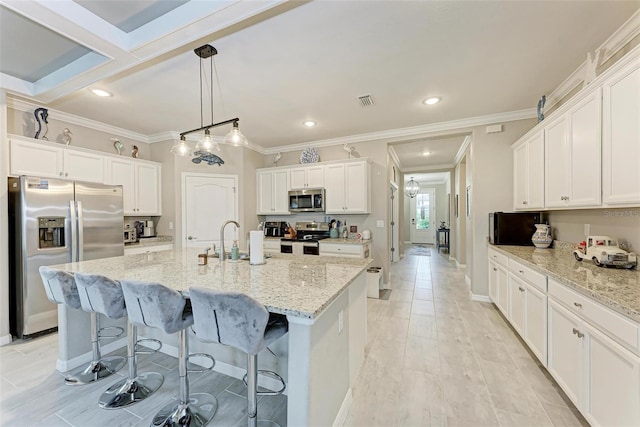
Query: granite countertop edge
{"x": 565, "y": 251}
{"x": 150, "y": 241}
{"x": 343, "y": 241}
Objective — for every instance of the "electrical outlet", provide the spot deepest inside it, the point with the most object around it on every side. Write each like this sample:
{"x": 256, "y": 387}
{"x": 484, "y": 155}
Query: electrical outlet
{"x": 587, "y": 229}
{"x": 340, "y": 321}
{"x": 170, "y": 225}
{"x": 380, "y": 223}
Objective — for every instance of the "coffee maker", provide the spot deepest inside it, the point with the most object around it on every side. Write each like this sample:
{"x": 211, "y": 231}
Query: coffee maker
{"x": 275, "y": 229}
{"x": 145, "y": 228}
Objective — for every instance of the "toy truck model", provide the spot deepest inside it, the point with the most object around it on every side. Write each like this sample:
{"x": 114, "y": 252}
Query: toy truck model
{"x": 604, "y": 251}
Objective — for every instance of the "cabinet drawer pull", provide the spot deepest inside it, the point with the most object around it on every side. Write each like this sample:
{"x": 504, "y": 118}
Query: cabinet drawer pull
{"x": 521, "y": 271}
{"x": 578, "y": 333}
{"x": 577, "y": 304}
{"x": 520, "y": 288}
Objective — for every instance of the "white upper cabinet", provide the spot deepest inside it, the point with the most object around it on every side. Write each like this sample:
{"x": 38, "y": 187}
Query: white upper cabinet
{"x": 347, "y": 187}
{"x": 273, "y": 188}
{"x": 621, "y": 137}
{"x": 528, "y": 161}
{"x": 307, "y": 177}
{"x": 572, "y": 156}
{"x": 140, "y": 185}
{"x": 45, "y": 159}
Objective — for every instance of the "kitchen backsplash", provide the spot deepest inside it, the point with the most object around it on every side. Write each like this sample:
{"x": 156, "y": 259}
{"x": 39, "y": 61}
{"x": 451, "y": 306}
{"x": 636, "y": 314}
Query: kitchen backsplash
{"x": 622, "y": 224}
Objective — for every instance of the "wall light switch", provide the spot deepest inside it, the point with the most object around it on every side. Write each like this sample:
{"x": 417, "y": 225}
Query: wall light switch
{"x": 340, "y": 321}
{"x": 587, "y": 229}
{"x": 380, "y": 223}
{"x": 170, "y": 225}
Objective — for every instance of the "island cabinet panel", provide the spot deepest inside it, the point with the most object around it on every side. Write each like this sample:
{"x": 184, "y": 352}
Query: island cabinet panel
{"x": 621, "y": 137}
{"x": 528, "y": 160}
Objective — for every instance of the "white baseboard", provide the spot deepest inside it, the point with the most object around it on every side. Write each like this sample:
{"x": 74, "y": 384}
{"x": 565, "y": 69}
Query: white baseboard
{"x": 480, "y": 298}
{"x": 6, "y": 339}
{"x": 344, "y": 409}
{"x": 458, "y": 265}
{"x": 467, "y": 280}
{"x": 68, "y": 365}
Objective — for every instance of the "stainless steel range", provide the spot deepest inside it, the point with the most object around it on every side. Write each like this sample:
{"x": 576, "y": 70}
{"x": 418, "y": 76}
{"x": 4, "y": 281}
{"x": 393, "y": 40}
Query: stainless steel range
{"x": 308, "y": 234}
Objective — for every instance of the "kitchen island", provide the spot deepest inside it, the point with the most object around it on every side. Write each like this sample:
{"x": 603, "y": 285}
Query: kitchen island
{"x": 324, "y": 299}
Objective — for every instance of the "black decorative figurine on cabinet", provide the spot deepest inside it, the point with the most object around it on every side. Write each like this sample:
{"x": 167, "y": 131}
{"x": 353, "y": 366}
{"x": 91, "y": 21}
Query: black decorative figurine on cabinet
{"x": 44, "y": 114}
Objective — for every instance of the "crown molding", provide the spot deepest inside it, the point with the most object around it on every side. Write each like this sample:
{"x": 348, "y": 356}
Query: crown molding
{"x": 411, "y": 132}
{"x": 28, "y": 107}
{"x": 417, "y": 169}
{"x": 623, "y": 35}
{"x": 462, "y": 150}
{"x": 164, "y": 136}
{"x": 394, "y": 156}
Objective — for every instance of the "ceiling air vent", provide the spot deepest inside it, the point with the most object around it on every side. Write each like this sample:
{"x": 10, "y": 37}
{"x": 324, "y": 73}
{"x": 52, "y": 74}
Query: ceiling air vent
{"x": 366, "y": 100}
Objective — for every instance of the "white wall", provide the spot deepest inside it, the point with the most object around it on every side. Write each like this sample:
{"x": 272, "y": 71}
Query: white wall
{"x": 5, "y": 335}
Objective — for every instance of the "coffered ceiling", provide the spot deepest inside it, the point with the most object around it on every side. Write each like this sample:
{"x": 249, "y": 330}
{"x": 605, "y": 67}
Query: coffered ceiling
{"x": 281, "y": 63}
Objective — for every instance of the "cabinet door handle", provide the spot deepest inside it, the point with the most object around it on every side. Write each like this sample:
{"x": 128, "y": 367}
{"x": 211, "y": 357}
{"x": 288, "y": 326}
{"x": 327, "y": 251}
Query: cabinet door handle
{"x": 578, "y": 333}
{"x": 61, "y": 173}
{"x": 521, "y": 271}
{"x": 495, "y": 269}
{"x": 524, "y": 203}
{"x": 577, "y": 304}
{"x": 521, "y": 289}
{"x": 66, "y": 174}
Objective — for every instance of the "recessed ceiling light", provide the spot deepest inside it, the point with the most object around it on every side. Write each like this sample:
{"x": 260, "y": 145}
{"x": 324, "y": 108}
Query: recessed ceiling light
{"x": 100, "y": 92}
{"x": 426, "y": 153}
{"x": 309, "y": 123}
{"x": 431, "y": 101}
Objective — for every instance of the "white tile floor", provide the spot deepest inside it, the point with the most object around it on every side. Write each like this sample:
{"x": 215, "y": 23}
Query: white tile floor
{"x": 434, "y": 357}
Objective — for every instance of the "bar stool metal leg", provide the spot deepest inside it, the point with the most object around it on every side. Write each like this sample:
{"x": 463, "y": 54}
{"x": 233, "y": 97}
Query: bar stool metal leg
{"x": 100, "y": 367}
{"x": 252, "y": 395}
{"x": 193, "y": 410}
{"x": 137, "y": 386}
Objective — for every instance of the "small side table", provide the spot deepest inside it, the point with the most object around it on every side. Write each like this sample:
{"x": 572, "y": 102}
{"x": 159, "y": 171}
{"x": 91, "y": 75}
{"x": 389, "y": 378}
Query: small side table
{"x": 442, "y": 239}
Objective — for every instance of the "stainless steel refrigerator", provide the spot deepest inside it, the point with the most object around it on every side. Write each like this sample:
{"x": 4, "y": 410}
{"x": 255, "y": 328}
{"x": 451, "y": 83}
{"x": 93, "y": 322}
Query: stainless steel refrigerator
{"x": 53, "y": 221}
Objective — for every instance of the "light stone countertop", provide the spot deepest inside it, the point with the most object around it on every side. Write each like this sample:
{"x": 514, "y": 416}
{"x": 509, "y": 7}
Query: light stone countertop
{"x": 618, "y": 289}
{"x": 150, "y": 241}
{"x": 299, "y": 286}
{"x": 341, "y": 241}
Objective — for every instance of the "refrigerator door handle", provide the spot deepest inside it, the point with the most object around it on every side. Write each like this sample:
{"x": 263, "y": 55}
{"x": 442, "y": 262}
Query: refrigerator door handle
{"x": 80, "y": 233}
{"x": 74, "y": 228}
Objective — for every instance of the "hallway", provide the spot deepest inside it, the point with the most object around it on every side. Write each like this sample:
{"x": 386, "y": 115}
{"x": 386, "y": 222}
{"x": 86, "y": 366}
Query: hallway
{"x": 434, "y": 357}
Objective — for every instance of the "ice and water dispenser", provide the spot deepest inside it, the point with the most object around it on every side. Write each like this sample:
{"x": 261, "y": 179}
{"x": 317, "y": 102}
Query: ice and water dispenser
{"x": 51, "y": 232}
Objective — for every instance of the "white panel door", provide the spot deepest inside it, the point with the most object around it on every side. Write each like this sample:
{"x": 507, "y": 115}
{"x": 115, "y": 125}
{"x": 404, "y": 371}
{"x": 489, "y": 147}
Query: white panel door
{"x": 281, "y": 192}
{"x": 621, "y": 137}
{"x": 335, "y": 188}
{"x": 122, "y": 172}
{"x": 355, "y": 183}
{"x": 83, "y": 166}
{"x": 536, "y": 323}
{"x": 147, "y": 189}
{"x": 614, "y": 383}
{"x": 209, "y": 201}
{"x": 535, "y": 171}
{"x": 565, "y": 358}
{"x": 584, "y": 150}
{"x": 422, "y": 211}
{"x": 556, "y": 160}
{"x": 298, "y": 178}
{"x": 36, "y": 160}
{"x": 517, "y": 295}
{"x": 266, "y": 201}
{"x": 315, "y": 176}
{"x": 520, "y": 177}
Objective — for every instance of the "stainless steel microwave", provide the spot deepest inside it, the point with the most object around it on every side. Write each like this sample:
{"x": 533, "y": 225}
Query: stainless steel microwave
{"x": 311, "y": 200}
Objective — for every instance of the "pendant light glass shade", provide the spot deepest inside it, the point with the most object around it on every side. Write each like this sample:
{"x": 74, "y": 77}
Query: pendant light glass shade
{"x": 412, "y": 188}
{"x": 206, "y": 143}
{"x": 181, "y": 148}
{"x": 235, "y": 137}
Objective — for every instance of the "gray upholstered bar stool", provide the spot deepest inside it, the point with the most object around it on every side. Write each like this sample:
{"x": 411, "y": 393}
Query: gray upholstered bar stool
{"x": 155, "y": 305}
{"x": 103, "y": 295}
{"x": 239, "y": 321}
{"x": 61, "y": 288}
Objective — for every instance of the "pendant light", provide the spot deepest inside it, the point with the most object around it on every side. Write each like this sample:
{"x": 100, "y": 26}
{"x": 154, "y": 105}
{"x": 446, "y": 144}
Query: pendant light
{"x": 207, "y": 143}
{"x": 412, "y": 188}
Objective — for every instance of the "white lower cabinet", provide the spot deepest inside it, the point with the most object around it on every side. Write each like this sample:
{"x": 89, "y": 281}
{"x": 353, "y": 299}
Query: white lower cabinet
{"x": 528, "y": 315}
{"x": 517, "y": 308}
{"x": 502, "y": 285}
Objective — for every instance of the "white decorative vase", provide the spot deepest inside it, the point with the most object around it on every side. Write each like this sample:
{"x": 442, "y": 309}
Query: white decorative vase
{"x": 542, "y": 237}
